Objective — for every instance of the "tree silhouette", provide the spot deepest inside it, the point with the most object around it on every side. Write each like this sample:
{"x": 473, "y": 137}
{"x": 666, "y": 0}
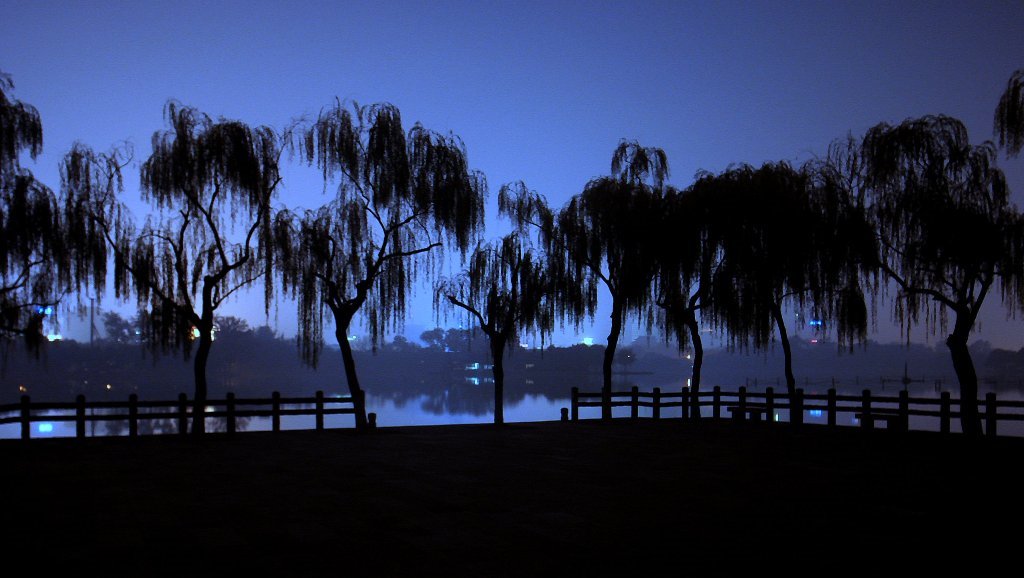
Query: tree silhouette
{"x": 781, "y": 236}
{"x": 947, "y": 231}
{"x": 212, "y": 184}
{"x": 231, "y": 326}
{"x": 1009, "y": 117}
{"x": 121, "y": 330}
{"x": 507, "y": 290}
{"x": 21, "y": 129}
{"x": 609, "y": 232}
{"x": 686, "y": 270}
{"x": 41, "y": 259}
{"x": 400, "y": 196}
{"x": 27, "y": 210}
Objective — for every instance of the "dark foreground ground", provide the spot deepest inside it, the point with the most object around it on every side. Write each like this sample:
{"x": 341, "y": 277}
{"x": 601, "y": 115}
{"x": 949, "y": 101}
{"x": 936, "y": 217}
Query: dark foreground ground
{"x": 588, "y": 498}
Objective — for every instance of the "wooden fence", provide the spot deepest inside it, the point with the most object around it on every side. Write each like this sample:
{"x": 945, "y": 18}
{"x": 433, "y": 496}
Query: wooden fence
{"x": 866, "y": 408}
{"x": 179, "y": 411}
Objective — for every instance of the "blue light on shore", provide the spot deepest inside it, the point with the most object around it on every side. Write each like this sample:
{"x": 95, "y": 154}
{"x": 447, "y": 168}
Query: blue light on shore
{"x": 45, "y": 427}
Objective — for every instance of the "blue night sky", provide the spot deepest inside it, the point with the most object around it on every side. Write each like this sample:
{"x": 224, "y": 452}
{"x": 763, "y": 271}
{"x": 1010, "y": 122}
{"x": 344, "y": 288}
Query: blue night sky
{"x": 538, "y": 91}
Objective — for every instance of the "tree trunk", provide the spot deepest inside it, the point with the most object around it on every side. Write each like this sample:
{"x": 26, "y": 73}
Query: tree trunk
{"x": 698, "y": 357}
{"x": 787, "y": 351}
{"x": 202, "y": 357}
{"x": 970, "y": 419}
{"x": 609, "y": 357}
{"x": 199, "y": 371}
{"x": 341, "y": 323}
{"x": 498, "y": 369}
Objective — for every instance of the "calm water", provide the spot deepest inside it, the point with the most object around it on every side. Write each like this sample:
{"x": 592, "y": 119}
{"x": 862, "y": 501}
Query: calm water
{"x": 468, "y": 403}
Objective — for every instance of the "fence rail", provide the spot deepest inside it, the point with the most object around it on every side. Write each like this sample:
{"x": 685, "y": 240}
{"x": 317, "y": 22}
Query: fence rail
{"x": 867, "y": 408}
{"x": 180, "y": 411}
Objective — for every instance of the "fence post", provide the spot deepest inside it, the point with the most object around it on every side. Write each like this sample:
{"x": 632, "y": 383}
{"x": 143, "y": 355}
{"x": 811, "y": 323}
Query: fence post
{"x": 26, "y": 417}
{"x": 319, "y": 410}
{"x": 684, "y": 400}
{"x": 742, "y": 403}
{"x": 904, "y": 411}
{"x": 769, "y": 403}
{"x": 606, "y": 403}
{"x": 944, "y": 412}
{"x": 656, "y": 410}
{"x": 133, "y": 415}
{"x": 990, "y": 414}
{"x": 832, "y": 407}
{"x": 359, "y": 403}
{"x": 796, "y": 411}
{"x": 565, "y": 414}
{"x": 634, "y": 407}
{"x": 275, "y": 416}
{"x": 716, "y": 403}
{"x": 182, "y": 414}
{"x": 865, "y": 410}
{"x": 574, "y": 404}
{"x": 230, "y": 409}
{"x": 80, "y": 416}
{"x": 371, "y": 421}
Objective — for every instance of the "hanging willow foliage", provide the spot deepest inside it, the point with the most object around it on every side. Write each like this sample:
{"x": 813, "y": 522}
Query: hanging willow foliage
{"x": 770, "y": 236}
{"x": 401, "y": 198}
{"x": 212, "y": 184}
{"x": 687, "y": 264}
{"x": 942, "y": 211}
{"x": 42, "y": 258}
{"x": 507, "y": 290}
{"x": 1009, "y": 117}
{"x": 20, "y": 128}
{"x": 606, "y": 234}
{"x": 948, "y": 234}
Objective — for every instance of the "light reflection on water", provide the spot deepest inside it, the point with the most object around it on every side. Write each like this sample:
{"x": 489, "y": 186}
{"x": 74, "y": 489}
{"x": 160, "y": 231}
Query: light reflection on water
{"x": 468, "y": 404}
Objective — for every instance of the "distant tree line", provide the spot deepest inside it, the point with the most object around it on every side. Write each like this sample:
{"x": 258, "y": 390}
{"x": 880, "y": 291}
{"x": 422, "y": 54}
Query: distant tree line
{"x": 913, "y": 215}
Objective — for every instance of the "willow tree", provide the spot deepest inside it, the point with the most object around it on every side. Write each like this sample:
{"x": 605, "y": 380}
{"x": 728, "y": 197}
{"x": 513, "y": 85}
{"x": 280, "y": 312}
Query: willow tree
{"x": 400, "y": 198}
{"x": 948, "y": 233}
{"x": 507, "y": 290}
{"x": 686, "y": 271}
{"x": 27, "y": 211}
{"x": 41, "y": 255}
{"x": 211, "y": 185}
{"x": 784, "y": 241}
{"x": 610, "y": 232}
{"x": 1009, "y": 117}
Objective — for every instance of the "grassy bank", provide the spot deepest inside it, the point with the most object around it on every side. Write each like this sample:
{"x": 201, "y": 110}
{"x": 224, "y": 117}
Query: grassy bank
{"x": 517, "y": 500}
